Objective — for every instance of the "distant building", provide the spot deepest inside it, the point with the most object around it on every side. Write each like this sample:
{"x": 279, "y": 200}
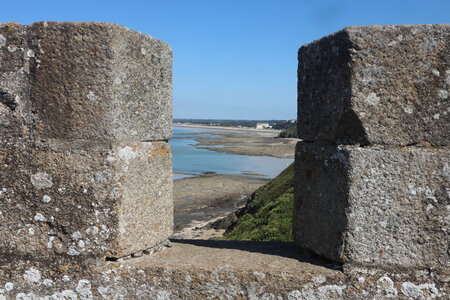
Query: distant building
{"x": 263, "y": 126}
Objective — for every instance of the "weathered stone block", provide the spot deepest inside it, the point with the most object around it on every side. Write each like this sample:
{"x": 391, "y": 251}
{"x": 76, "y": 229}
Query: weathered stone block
{"x": 215, "y": 270}
{"x": 374, "y": 206}
{"x": 79, "y": 201}
{"x": 82, "y": 106}
{"x": 84, "y": 81}
{"x": 376, "y": 85}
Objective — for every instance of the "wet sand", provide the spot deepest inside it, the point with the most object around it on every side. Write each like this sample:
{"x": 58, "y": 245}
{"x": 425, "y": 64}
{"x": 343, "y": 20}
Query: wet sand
{"x": 246, "y": 141}
{"x": 198, "y": 200}
{"x": 226, "y": 128}
{"x": 203, "y": 199}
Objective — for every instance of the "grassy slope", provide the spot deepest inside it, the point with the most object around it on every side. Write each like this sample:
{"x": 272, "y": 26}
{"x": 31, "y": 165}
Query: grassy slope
{"x": 290, "y": 132}
{"x": 268, "y": 214}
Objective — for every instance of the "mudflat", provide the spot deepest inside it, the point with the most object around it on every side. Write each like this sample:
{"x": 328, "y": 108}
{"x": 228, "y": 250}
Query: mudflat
{"x": 255, "y": 142}
{"x": 202, "y": 199}
{"x": 199, "y": 200}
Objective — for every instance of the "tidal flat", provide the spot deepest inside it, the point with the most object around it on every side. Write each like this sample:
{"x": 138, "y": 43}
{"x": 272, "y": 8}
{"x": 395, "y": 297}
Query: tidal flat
{"x": 215, "y": 170}
{"x": 244, "y": 141}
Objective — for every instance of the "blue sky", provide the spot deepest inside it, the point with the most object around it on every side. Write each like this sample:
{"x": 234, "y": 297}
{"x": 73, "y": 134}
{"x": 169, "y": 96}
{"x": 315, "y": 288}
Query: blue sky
{"x": 233, "y": 59}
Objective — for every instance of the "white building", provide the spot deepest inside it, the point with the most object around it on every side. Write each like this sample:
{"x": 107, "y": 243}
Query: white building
{"x": 263, "y": 126}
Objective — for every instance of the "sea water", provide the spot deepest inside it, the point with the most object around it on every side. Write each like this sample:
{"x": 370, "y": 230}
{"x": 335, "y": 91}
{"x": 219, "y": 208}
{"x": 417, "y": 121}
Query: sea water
{"x": 190, "y": 160}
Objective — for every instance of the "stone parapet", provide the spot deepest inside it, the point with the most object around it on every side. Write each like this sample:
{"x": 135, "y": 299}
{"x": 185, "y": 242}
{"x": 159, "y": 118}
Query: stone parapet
{"x": 374, "y": 206}
{"x": 372, "y": 177}
{"x": 86, "y": 181}
{"x": 90, "y": 202}
{"x": 85, "y": 114}
{"x": 376, "y": 85}
{"x": 216, "y": 270}
{"x": 85, "y": 81}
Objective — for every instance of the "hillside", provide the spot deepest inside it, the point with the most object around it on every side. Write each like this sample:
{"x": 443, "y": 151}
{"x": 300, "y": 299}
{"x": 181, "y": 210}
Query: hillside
{"x": 290, "y": 132}
{"x": 267, "y": 215}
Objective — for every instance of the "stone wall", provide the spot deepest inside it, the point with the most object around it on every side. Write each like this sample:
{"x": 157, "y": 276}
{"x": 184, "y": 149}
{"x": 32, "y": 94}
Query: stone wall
{"x": 86, "y": 182}
{"x": 372, "y": 174}
{"x": 214, "y": 270}
{"x": 86, "y": 113}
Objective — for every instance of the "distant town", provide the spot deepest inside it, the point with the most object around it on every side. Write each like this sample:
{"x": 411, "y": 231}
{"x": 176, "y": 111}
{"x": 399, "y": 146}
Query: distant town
{"x": 288, "y": 127}
{"x": 258, "y": 124}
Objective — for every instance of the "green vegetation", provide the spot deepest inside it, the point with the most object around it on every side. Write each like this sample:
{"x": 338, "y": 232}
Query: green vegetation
{"x": 268, "y": 213}
{"x": 290, "y": 132}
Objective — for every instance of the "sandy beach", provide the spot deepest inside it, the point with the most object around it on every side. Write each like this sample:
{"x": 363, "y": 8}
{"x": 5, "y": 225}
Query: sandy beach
{"x": 203, "y": 199}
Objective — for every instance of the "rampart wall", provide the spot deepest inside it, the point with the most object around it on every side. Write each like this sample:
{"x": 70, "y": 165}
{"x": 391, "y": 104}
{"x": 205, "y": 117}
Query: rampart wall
{"x": 86, "y": 179}
{"x": 372, "y": 171}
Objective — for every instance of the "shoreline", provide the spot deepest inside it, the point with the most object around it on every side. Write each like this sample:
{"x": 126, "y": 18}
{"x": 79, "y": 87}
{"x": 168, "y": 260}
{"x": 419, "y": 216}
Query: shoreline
{"x": 200, "y": 230}
{"x": 202, "y": 199}
{"x": 244, "y": 141}
{"x": 199, "y": 199}
{"x": 226, "y": 128}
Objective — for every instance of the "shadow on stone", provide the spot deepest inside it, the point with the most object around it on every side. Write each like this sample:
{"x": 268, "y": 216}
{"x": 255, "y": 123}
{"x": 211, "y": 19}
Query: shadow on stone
{"x": 283, "y": 249}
